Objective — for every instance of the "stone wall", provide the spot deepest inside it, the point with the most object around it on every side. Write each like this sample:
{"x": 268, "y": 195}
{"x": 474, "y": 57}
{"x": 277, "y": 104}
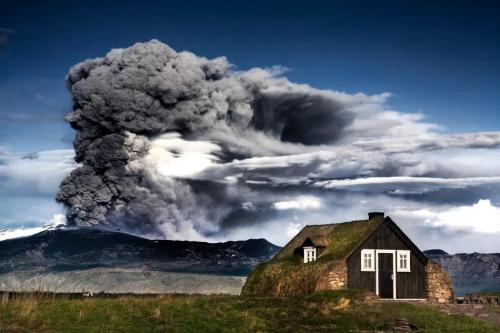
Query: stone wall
{"x": 337, "y": 276}
{"x": 439, "y": 287}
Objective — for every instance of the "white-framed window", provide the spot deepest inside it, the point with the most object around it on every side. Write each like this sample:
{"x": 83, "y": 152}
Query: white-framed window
{"x": 403, "y": 262}
{"x": 309, "y": 254}
{"x": 367, "y": 260}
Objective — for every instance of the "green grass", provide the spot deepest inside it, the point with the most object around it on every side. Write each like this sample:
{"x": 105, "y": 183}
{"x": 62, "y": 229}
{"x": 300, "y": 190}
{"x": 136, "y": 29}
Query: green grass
{"x": 288, "y": 277}
{"x": 326, "y": 311}
{"x": 346, "y": 237}
{"x": 343, "y": 238}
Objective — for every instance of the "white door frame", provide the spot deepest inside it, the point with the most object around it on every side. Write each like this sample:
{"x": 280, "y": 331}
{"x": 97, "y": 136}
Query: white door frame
{"x": 393, "y": 252}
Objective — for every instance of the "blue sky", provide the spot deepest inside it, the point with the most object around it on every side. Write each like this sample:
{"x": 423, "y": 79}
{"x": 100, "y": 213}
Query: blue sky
{"x": 441, "y": 59}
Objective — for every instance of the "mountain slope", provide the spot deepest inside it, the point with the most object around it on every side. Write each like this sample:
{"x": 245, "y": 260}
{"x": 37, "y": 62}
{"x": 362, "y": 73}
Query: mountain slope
{"x": 69, "y": 260}
{"x": 83, "y": 248}
{"x": 470, "y": 272}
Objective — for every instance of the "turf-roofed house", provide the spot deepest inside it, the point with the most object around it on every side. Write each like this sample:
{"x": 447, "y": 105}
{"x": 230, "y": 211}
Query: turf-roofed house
{"x": 373, "y": 254}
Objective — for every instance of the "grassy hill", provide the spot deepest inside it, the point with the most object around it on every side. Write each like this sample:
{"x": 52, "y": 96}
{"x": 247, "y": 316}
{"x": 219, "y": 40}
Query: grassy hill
{"x": 329, "y": 311}
{"x": 288, "y": 277}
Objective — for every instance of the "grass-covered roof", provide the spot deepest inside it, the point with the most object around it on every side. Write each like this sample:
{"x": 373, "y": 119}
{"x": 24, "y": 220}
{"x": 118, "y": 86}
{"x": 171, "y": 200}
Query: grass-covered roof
{"x": 340, "y": 238}
{"x": 287, "y": 275}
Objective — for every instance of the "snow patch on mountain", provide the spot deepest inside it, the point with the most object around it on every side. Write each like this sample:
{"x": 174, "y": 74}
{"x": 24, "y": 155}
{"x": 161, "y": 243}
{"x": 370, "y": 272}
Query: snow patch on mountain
{"x": 57, "y": 221}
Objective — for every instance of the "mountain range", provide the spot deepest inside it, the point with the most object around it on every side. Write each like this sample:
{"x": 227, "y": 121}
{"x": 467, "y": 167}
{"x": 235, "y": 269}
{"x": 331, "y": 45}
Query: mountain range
{"x": 469, "y": 272}
{"x": 74, "y": 259}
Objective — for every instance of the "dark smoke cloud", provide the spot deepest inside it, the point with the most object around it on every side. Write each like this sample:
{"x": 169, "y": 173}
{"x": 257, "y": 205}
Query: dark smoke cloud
{"x": 175, "y": 145}
{"x": 284, "y": 115}
{"x": 123, "y": 101}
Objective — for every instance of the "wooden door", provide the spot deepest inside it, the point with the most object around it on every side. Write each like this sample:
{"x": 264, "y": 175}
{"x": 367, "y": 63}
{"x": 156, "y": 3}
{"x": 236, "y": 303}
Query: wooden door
{"x": 385, "y": 275}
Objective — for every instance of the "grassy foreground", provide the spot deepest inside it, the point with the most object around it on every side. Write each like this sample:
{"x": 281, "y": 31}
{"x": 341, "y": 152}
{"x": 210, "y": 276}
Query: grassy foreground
{"x": 331, "y": 311}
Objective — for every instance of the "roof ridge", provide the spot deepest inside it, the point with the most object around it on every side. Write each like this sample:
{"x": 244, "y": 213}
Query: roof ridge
{"x": 336, "y": 223}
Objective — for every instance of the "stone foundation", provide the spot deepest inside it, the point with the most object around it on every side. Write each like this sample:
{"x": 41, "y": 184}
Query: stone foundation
{"x": 337, "y": 277}
{"x": 439, "y": 287}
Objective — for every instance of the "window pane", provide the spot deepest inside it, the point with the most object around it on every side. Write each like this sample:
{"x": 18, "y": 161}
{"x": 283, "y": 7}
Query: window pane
{"x": 367, "y": 259}
{"x": 404, "y": 260}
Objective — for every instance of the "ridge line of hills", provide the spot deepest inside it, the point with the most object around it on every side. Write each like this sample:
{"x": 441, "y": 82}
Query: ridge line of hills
{"x": 70, "y": 257}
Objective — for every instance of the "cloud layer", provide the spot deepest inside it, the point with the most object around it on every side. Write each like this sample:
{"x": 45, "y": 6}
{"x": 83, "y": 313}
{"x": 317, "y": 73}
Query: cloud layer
{"x": 175, "y": 145}
{"x": 28, "y": 184}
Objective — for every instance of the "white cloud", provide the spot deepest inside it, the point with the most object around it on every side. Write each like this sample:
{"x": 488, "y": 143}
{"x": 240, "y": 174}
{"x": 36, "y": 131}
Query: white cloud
{"x": 341, "y": 206}
{"x": 301, "y": 203}
{"x": 28, "y": 185}
{"x": 405, "y": 180}
{"x": 249, "y": 206}
{"x": 172, "y": 156}
{"x": 293, "y": 229}
{"x": 41, "y": 171}
{"x": 481, "y": 217}
{"x": 453, "y": 162}
{"x": 57, "y": 220}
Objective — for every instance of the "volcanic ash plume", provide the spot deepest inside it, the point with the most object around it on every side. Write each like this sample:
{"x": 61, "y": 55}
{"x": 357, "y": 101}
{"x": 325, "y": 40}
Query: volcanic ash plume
{"x": 151, "y": 121}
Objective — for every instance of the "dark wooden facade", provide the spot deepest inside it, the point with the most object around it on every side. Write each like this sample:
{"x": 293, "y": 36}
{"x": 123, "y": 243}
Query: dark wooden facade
{"x": 388, "y": 236}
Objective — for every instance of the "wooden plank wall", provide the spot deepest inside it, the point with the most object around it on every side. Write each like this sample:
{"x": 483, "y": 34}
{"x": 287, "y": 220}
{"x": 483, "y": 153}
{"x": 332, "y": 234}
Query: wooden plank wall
{"x": 409, "y": 284}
